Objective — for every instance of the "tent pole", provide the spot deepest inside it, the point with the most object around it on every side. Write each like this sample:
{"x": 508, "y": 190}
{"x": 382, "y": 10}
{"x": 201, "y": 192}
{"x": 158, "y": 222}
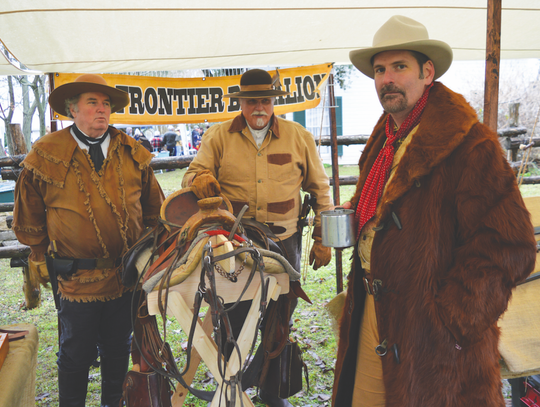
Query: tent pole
{"x": 335, "y": 172}
{"x": 493, "y": 53}
{"x": 54, "y": 123}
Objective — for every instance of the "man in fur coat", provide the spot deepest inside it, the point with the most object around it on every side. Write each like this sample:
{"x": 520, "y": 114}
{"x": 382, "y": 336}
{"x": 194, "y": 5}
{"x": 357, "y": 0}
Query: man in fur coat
{"x": 443, "y": 238}
{"x": 84, "y": 197}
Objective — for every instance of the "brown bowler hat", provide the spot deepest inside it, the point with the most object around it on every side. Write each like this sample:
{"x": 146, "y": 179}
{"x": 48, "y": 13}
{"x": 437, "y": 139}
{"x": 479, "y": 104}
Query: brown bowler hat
{"x": 256, "y": 83}
{"x": 87, "y": 83}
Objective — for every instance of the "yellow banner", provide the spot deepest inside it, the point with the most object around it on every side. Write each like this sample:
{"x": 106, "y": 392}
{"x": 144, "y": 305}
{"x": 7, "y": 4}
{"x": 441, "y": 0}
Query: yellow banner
{"x": 195, "y": 100}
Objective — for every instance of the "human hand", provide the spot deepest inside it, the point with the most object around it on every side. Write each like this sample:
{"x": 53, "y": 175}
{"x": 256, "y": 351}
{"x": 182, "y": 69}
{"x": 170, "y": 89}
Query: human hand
{"x": 320, "y": 255}
{"x": 205, "y": 185}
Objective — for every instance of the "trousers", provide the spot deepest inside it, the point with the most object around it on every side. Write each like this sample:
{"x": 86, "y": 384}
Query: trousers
{"x": 92, "y": 328}
{"x": 293, "y": 254}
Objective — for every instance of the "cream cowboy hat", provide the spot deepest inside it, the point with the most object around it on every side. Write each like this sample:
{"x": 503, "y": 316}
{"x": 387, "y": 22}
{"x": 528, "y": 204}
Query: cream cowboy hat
{"x": 403, "y": 33}
{"x": 256, "y": 83}
{"x": 87, "y": 83}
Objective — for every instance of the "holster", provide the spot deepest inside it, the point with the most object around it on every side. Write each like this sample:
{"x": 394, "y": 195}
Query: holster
{"x": 61, "y": 267}
{"x": 308, "y": 203}
{"x": 56, "y": 267}
{"x": 53, "y": 281}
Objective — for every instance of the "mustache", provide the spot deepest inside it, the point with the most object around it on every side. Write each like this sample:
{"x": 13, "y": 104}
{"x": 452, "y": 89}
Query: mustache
{"x": 261, "y": 113}
{"x": 390, "y": 89}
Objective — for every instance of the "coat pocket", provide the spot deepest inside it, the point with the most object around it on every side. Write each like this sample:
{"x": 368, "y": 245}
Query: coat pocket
{"x": 280, "y": 166}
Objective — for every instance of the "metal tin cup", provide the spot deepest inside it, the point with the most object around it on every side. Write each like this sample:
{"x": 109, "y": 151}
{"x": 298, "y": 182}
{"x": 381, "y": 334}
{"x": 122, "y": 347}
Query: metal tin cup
{"x": 338, "y": 228}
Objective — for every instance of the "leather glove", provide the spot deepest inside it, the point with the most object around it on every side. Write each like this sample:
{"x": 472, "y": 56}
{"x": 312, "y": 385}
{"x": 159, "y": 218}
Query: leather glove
{"x": 39, "y": 270}
{"x": 320, "y": 255}
{"x": 205, "y": 185}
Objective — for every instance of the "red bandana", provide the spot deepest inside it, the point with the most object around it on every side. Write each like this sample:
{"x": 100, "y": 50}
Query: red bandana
{"x": 378, "y": 176}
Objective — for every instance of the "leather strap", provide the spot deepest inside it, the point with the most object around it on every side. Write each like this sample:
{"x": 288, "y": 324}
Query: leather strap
{"x": 91, "y": 264}
{"x": 13, "y": 334}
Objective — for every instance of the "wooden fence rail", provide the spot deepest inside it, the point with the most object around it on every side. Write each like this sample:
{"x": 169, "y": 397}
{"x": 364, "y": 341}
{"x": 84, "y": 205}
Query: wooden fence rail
{"x": 9, "y": 170}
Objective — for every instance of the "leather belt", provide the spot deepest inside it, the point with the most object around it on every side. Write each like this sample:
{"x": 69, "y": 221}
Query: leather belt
{"x": 91, "y": 264}
{"x": 266, "y": 227}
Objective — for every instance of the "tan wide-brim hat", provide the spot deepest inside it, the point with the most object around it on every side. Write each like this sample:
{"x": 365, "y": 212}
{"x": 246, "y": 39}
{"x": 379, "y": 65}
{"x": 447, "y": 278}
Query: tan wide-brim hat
{"x": 256, "y": 83}
{"x": 87, "y": 83}
{"x": 403, "y": 33}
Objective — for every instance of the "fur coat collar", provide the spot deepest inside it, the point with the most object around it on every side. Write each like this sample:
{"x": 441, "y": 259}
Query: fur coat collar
{"x": 432, "y": 143}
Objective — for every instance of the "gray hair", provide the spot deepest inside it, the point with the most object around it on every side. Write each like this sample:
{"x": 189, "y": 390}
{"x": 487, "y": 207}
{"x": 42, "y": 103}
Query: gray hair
{"x": 71, "y": 102}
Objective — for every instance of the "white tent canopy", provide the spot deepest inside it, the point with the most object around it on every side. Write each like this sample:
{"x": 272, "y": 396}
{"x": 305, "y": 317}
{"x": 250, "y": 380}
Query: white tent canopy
{"x": 141, "y": 35}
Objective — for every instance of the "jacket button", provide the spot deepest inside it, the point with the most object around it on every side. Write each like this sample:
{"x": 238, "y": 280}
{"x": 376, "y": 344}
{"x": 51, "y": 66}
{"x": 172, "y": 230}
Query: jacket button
{"x": 259, "y": 181}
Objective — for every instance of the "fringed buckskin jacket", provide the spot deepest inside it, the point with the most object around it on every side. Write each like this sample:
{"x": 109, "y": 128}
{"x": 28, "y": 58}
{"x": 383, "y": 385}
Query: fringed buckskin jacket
{"x": 60, "y": 197}
{"x": 465, "y": 240}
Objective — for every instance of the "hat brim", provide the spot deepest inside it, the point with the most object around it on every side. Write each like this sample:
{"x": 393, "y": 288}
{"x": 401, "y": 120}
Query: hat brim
{"x": 119, "y": 98}
{"x": 438, "y": 52}
{"x": 257, "y": 94}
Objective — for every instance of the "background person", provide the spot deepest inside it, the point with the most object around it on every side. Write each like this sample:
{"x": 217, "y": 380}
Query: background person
{"x": 179, "y": 143}
{"x": 169, "y": 140}
{"x": 156, "y": 141}
{"x": 145, "y": 142}
{"x": 196, "y": 138}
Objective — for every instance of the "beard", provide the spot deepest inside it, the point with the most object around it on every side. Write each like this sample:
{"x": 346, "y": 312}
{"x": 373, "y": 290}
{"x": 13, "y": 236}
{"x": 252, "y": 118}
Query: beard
{"x": 260, "y": 119}
{"x": 393, "y": 103}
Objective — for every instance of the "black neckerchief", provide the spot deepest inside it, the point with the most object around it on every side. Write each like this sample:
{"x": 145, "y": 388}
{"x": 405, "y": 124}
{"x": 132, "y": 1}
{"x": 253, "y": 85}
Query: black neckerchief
{"x": 94, "y": 144}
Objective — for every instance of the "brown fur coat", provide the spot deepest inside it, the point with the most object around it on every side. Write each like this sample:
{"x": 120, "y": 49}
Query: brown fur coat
{"x": 466, "y": 241}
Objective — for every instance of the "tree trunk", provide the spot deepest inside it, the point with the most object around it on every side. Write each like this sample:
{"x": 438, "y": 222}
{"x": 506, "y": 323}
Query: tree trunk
{"x": 17, "y": 136}
{"x": 28, "y": 109}
{"x": 7, "y": 117}
{"x": 513, "y": 114}
{"x": 42, "y": 97}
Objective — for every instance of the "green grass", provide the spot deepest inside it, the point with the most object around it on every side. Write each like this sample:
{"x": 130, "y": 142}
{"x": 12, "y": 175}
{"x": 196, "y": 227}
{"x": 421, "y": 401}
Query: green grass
{"x": 312, "y": 328}
{"x": 530, "y": 190}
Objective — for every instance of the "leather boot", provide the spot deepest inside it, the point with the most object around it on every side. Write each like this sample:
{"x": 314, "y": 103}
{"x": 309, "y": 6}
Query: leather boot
{"x": 113, "y": 373}
{"x": 272, "y": 400}
{"x": 72, "y": 387}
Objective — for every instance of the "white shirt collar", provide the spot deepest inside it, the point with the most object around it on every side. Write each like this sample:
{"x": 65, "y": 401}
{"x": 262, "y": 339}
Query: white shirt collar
{"x": 82, "y": 146}
{"x": 259, "y": 135}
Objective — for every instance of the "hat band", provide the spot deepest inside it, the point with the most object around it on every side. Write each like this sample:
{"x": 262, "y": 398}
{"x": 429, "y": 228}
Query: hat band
{"x": 251, "y": 88}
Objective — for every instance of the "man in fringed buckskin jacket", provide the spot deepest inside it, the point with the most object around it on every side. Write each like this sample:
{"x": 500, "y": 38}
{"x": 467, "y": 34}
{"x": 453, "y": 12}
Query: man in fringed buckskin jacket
{"x": 85, "y": 195}
{"x": 443, "y": 238}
